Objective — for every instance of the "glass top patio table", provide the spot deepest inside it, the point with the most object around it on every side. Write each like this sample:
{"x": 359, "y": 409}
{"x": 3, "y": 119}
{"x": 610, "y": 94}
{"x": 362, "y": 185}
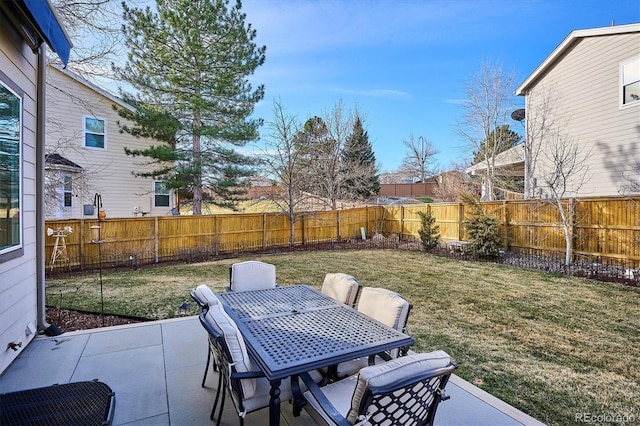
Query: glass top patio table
{"x": 292, "y": 329}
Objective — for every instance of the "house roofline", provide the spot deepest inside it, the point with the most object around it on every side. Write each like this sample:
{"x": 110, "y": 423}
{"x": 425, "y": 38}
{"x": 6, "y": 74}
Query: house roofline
{"x": 92, "y": 87}
{"x": 572, "y": 38}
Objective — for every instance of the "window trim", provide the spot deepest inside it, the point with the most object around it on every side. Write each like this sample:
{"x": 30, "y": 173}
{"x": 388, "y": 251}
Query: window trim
{"x": 84, "y": 132}
{"x": 17, "y": 250}
{"x": 621, "y": 82}
{"x": 155, "y": 194}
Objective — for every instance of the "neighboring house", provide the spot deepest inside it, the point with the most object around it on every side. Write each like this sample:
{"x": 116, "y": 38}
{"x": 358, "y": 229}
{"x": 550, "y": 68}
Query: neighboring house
{"x": 592, "y": 80}
{"x": 86, "y": 155}
{"x": 24, "y": 26}
{"x": 398, "y": 177}
{"x": 508, "y": 164}
{"x": 589, "y": 88}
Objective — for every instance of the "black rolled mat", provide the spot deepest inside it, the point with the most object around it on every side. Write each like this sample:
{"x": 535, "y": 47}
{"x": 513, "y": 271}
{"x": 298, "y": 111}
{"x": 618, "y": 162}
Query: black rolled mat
{"x": 79, "y": 403}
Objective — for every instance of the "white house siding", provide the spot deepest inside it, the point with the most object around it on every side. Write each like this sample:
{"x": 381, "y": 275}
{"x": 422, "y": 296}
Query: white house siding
{"x": 586, "y": 82}
{"x": 18, "y": 304}
{"x": 108, "y": 172}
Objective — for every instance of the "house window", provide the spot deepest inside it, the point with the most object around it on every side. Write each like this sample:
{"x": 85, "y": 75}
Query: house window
{"x": 630, "y": 81}
{"x": 68, "y": 191}
{"x": 161, "y": 194}
{"x": 94, "y": 133}
{"x": 10, "y": 169}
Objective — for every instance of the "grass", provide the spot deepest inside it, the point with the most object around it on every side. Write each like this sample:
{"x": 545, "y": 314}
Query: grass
{"x": 550, "y": 345}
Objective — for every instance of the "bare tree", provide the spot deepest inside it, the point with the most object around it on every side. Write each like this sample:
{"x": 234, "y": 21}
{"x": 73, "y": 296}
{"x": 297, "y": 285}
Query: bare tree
{"x": 94, "y": 26}
{"x": 325, "y": 140}
{"x": 541, "y": 119}
{"x": 454, "y": 184}
{"x": 285, "y": 160}
{"x": 564, "y": 171}
{"x": 419, "y": 157}
{"x": 632, "y": 179}
{"x": 486, "y": 111}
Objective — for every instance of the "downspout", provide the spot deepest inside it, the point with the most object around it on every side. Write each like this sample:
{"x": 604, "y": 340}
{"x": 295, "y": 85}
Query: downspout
{"x": 50, "y": 329}
{"x": 40, "y": 261}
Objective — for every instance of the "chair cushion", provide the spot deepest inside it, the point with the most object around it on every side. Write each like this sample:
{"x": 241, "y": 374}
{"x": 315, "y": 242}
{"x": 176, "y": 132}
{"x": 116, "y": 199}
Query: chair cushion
{"x": 235, "y": 344}
{"x": 341, "y": 287}
{"x": 392, "y": 371}
{"x": 339, "y": 395}
{"x": 385, "y": 306}
{"x": 204, "y": 294}
{"x": 252, "y": 275}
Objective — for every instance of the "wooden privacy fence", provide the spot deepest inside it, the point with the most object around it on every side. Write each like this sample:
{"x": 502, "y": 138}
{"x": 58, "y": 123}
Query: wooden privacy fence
{"x": 601, "y": 227}
{"x": 124, "y": 241}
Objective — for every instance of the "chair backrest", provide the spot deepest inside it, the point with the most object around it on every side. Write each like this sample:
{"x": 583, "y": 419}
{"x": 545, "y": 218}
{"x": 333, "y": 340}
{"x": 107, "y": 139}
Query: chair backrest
{"x": 252, "y": 275}
{"x": 203, "y": 296}
{"x": 232, "y": 349}
{"x": 386, "y": 306}
{"x": 405, "y": 390}
{"x": 342, "y": 287}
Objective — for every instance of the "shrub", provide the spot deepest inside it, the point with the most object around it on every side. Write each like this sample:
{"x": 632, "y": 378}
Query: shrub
{"x": 484, "y": 232}
{"x": 429, "y": 232}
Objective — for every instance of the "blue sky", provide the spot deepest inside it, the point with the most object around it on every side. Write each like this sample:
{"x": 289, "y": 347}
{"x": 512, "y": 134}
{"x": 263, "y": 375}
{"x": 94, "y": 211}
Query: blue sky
{"x": 405, "y": 63}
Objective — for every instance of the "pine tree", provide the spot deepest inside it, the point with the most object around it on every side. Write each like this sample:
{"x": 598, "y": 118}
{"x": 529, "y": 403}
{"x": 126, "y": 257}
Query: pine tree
{"x": 429, "y": 232}
{"x": 189, "y": 63}
{"x": 359, "y": 163}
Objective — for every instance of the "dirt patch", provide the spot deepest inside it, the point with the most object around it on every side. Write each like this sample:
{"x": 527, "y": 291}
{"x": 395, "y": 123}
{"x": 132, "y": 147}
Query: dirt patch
{"x": 70, "y": 320}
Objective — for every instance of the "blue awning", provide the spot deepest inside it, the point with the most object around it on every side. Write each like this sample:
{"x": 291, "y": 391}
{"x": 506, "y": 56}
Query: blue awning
{"x": 51, "y": 29}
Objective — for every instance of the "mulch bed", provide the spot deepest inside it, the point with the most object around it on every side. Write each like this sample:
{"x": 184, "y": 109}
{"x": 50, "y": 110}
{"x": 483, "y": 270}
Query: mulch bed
{"x": 70, "y": 320}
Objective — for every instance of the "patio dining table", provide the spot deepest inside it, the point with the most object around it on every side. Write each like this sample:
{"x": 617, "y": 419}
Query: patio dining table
{"x": 292, "y": 329}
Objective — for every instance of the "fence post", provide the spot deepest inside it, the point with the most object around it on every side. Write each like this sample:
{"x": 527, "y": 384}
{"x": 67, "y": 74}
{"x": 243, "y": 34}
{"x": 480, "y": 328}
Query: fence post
{"x": 81, "y": 249}
{"x": 338, "y": 225}
{"x": 401, "y": 222}
{"x": 460, "y": 221}
{"x": 572, "y": 228}
{"x": 505, "y": 237}
{"x": 264, "y": 230}
{"x": 156, "y": 243}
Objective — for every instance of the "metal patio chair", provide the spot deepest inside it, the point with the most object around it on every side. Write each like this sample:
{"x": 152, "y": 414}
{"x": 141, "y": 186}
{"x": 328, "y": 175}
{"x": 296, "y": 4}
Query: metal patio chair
{"x": 403, "y": 391}
{"x": 391, "y": 309}
{"x": 205, "y": 298}
{"x": 247, "y": 386}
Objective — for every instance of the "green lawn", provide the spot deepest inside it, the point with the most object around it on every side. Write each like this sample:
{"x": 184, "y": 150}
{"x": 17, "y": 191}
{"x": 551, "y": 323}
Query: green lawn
{"x": 552, "y": 346}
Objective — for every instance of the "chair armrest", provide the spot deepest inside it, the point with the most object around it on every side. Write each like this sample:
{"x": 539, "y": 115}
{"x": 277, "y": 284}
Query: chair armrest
{"x": 247, "y": 374}
{"x": 327, "y": 407}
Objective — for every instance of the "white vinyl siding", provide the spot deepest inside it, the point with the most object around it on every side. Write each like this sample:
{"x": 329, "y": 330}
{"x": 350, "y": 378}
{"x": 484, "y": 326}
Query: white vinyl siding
{"x": 108, "y": 172}
{"x": 586, "y": 80}
{"x": 18, "y": 296}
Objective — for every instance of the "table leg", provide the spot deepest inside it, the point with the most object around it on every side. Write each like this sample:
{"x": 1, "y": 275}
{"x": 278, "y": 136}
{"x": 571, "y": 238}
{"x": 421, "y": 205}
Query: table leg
{"x": 298, "y": 399}
{"x": 274, "y": 403}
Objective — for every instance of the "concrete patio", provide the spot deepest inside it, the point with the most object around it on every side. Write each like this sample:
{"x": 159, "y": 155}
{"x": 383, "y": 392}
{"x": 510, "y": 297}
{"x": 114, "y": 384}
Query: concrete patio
{"x": 155, "y": 369}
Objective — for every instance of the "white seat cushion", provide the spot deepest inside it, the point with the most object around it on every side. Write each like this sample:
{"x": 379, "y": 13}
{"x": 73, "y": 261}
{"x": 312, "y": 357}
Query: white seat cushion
{"x": 205, "y": 295}
{"x": 393, "y": 371}
{"x": 338, "y": 393}
{"x": 341, "y": 287}
{"x": 235, "y": 343}
{"x": 252, "y": 275}
{"x": 385, "y": 306}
